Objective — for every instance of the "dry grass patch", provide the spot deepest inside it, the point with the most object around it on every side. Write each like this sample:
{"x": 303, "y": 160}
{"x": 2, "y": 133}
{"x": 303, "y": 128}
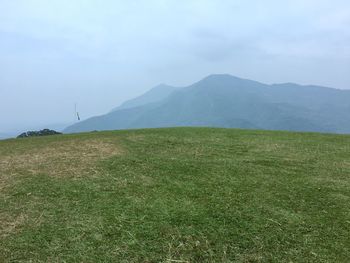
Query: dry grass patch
{"x": 11, "y": 225}
{"x": 136, "y": 137}
{"x": 73, "y": 158}
{"x": 67, "y": 158}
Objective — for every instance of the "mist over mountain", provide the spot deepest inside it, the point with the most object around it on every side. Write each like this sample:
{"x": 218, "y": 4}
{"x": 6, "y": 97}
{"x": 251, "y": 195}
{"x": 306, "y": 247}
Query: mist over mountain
{"x": 227, "y": 101}
{"x": 154, "y": 95}
{"x": 4, "y": 136}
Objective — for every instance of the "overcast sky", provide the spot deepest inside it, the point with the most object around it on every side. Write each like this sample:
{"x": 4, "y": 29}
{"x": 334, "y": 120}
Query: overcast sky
{"x": 99, "y": 53}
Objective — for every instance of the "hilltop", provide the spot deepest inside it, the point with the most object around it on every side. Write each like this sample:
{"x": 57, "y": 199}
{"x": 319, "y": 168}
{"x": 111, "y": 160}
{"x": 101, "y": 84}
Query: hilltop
{"x": 231, "y": 102}
{"x": 176, "y": 195}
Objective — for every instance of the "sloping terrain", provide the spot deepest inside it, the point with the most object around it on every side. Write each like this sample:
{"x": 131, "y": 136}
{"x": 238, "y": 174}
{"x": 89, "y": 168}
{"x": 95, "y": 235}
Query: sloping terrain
{"x": 176, "y": 195}
{"x": 227, "y": 101}
{"x": 156, "y": 94}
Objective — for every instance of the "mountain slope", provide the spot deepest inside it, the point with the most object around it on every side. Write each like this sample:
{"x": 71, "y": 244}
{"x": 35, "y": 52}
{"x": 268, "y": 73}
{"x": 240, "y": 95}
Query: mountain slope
{"x": 227, "y": 101}
{"x": 154, "y": 95}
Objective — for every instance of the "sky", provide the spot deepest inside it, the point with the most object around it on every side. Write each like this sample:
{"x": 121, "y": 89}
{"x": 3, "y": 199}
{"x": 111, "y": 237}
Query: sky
{"x": 98, "y": 54}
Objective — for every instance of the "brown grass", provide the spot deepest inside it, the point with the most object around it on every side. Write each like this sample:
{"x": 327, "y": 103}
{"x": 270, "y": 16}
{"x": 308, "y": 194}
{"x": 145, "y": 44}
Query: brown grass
{"x": 10, "y": 225}
{"x": 72, "y": 158}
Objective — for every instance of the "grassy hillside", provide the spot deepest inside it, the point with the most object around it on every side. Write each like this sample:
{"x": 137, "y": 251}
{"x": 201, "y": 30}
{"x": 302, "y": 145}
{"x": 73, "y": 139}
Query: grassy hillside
{"x": 176, "y": 195}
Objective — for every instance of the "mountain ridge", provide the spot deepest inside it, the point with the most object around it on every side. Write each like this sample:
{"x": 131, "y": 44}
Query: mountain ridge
{"x": 155, "y": 94}
{"x": 222, "y": 100}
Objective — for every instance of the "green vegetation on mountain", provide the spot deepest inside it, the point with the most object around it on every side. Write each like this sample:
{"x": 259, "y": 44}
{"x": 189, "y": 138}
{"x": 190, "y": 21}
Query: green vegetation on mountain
{"x": 176, "y": 195}
{"x": 44, "y": 132}
{"x": 227, "y": 101}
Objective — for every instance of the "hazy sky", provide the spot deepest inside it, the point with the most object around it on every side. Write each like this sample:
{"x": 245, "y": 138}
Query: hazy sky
{"x": 99, "y": 53}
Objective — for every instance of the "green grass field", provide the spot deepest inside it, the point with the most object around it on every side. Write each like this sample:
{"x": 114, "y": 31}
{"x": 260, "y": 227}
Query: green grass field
{"x": 176, "y": 195}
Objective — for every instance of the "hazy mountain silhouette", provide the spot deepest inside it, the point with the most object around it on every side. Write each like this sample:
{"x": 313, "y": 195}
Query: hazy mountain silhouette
{"x": 154, "y": 95}
{"x": 227, "y": 101}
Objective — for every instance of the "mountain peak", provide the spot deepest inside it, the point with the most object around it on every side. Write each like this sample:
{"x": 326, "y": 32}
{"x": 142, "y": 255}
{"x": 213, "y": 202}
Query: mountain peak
{"x": 227, "y": 81}
{"x": 223, "y": 100}
{"x": 221, "y": 77}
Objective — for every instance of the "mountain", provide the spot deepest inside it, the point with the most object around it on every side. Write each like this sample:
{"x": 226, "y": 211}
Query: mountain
{"x": 154, "y": 95}
{"x": 228, "y": 101}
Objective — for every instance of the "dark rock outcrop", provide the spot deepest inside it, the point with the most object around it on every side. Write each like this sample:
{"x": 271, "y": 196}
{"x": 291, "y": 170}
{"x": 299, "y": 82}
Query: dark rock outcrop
{"x": 44, "y": 132}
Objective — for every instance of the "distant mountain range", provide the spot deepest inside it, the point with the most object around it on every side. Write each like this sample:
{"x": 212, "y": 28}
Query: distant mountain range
{"x": 228, "y": 101}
